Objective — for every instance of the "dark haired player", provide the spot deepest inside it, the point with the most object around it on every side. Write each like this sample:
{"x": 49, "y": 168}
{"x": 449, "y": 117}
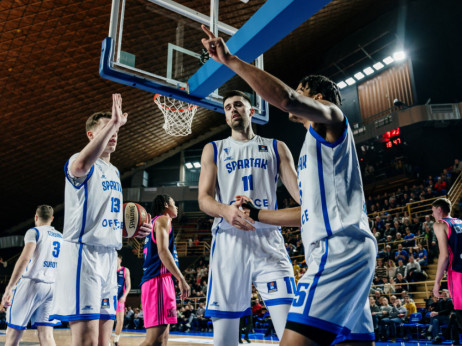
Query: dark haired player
{"x": 331, "y": 303}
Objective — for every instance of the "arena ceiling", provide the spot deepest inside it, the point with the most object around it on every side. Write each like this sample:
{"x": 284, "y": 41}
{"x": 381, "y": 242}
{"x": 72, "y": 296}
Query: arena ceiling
{"x": 49, "y": 85}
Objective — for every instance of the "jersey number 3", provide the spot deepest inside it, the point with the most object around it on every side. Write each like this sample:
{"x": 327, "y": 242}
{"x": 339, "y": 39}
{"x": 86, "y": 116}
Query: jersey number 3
{"x": 56, "y": 248}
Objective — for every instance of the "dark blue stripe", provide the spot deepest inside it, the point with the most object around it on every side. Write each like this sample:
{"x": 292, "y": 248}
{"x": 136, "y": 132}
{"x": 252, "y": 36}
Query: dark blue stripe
{"x": 211, "y": 277}
{"x": 77, "y": 288}
{"x": 12, "y": 299}
{"x": 275, "y": 147}
{"x": 86, "y": 179}
{"x": 316, "y": 322}
{"x": 321, "y": 140}
{"x": 215, "y": 152}
{"x": 354, "y": 337}
{"x": 14, "y": 326}
{"x": 313, "y": 286}
{"x": 82, "y": 317}
{"x": 323, "y": 189}
{"x": 227, "y": 314}
{"x": 84, "y": 216}
{"x": 278, "y": 301}
{"x": 37, "y": 235}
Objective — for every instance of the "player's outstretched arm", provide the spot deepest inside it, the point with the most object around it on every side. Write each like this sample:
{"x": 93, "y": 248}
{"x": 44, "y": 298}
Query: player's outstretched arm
{"x": 271, "y": 88}
{"x": 287, "y": 171}
{"x": 440, "y": 228}
{"x": 18, "y": 270}
{"x": 161, "y": 228}
{"x": 95, "y": 148}
{"x": 206, "y": 196}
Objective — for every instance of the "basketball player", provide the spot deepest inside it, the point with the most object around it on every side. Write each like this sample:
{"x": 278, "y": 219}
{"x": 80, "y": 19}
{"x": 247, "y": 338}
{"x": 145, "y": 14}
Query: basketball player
{"x": 448, "y": 230}
{"x": 29, "y": 293}
{"x": 124, "y": 285}
{"x": 331, "y": 303}
{"x": 160, "y": 263}
{"x": 86, "y": 282}
{"x": 245, "y": 163}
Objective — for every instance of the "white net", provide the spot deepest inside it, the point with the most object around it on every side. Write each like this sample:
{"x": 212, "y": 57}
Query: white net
{"x": 178, "y": 115}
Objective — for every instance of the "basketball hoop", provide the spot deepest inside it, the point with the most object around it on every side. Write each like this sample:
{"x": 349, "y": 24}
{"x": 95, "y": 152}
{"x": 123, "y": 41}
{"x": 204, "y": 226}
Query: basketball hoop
{"x": 178, "y": 115}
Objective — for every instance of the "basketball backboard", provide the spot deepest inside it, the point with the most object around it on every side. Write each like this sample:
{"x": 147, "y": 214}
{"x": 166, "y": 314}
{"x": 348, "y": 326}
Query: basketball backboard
{"x": 155, "y": 45}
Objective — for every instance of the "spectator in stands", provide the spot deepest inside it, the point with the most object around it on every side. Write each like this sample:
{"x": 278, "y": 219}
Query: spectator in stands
{"x": 409, "y": 238}
{"x": 388, "y": 231}
{"x": 128, "y": 320}
{"x": 398, "y": 238}
{"x": 380, "y": 269}
{"x": 457, "y": 167}
{"x": 397, "y": 228}
{"x": 199, "y": 321}
{"x": 411, "y": 268}
{"x": 422, "y": 255}
{"x": 397, "y": 317}
{"x": 401, "y": 254}
{"x": 375, "y": 312}
{"x": 295, "y": 265}
{"x": 257, "y": 309}
{"x": 138, "y": 319}
{"x": 388, "y": 286}
{"x": 440, "y": 187}
{"x": 401, "y": 268}
{"x": 245, "y": 324}
{"x": 409, "y": 305}
{"x": 385, "y": 311}
{"x": 401, "y": 284}
{"x": 391, "y": 268}
{"x": 440, "y": 315}
{"x": 379, "y": 224}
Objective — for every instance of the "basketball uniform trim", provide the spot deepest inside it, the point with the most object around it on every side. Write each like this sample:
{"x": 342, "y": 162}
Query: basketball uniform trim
{"x": 12, "y": 299}
{"x": 215, "y": 152}
{"x": 84, "y": 182}
{"x": 37, "y": 235}
{"x": 321, "y": 140}
{"x": 278, "y": 301}
{"x": 211, "y": 277}
{"x": 355, "y": 337}
{"x": 323, "y": 189}
{"x": 15, "y": 326}
{"x": 316, "y": 279}
{"x": 275, "y": 147}
{"x": 38, "y": 324}
{"x": 77, "y": 285}
{"x": 84, "y": 216}
{"x": 83, "y": 317}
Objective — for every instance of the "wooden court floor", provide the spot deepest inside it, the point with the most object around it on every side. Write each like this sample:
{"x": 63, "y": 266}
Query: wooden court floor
{"x": 63, "y": 338}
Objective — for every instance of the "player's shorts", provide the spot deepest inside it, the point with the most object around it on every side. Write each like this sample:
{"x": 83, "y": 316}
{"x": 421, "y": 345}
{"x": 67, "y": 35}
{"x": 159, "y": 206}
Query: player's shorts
{"x": 455, "y": 288}
{"x": 238, "y": 259}
{"x": 120, "y": 307}
{"x": 158, "y": 301}
{"x": 333, "y": 294}
{"x": 86, "y": 283}
{"x": 31, "y": 302}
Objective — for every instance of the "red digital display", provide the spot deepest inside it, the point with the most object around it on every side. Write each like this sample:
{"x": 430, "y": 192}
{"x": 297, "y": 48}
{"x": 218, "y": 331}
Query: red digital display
{"x": 390, "y": 134}
{"x": 393, "y": 142}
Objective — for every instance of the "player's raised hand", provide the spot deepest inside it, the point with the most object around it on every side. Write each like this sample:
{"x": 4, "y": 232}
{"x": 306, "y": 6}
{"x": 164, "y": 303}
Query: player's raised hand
{"x": 145, "y": 228}
{"x": 6, "y": 299}
{"x": 185, "y": 290}
{"x": 216, "y": 47}
{"x": 118, "y": 117}
{"x": 238, "y": 218}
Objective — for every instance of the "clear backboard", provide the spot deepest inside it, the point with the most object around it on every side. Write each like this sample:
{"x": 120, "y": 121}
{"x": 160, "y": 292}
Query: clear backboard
{"x": 155, "y": 45}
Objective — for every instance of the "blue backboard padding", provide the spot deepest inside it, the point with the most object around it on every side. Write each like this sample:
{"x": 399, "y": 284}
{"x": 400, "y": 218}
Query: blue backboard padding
{"x": 107, "y": 71}
{"x": 270, "y": 24}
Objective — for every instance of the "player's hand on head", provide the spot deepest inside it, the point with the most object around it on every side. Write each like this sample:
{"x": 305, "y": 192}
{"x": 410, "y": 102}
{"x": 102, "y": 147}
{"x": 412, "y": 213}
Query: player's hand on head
{"x": 145, "y": 229}
{"x": 119, "y": 117}
{"x": 216, "y": 47}
{"x": 238, "y": 218}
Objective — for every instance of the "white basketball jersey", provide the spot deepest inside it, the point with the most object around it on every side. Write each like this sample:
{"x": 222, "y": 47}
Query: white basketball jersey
{"x": 246, "y": 168}
{"x": 331, "y": 189}
{"x": 93, "y": 206}
{"x": 42, "y": 266}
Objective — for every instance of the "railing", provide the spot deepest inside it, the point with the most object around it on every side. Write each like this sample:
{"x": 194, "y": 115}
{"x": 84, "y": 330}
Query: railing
{"x": 455, "y": 192}
{"x": 420, "y": 239}
{"x": 428, "y": 288}
{"x": 413, "y": 209}
{"x": 201, "y": 249}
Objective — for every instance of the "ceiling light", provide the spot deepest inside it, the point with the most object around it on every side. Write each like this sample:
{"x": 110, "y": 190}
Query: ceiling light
{"x": 400, "y": 55}
{"x": 368, "y": 71}
{"x": 388, "y": 60}
{"x": 342, "y": 85}
{"x": 378, "y": 66}
{"x": 350, "y": 81}
{"x": 359, "y": 75}
{"x": 188, "y": 165}
{"x": 197, "y": 165}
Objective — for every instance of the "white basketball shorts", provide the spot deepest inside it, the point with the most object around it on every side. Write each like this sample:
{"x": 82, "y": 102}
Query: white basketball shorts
{"x": 31, "y": 302}
{"x": 238, "y": 259}
{"x": 333, "y": 293}
{"x": 86, "y": 283}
